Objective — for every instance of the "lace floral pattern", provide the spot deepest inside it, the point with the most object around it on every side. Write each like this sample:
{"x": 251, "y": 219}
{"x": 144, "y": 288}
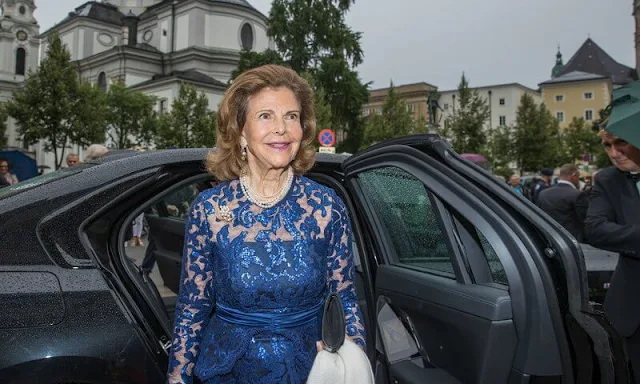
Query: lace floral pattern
{"x": 275, "y": 261}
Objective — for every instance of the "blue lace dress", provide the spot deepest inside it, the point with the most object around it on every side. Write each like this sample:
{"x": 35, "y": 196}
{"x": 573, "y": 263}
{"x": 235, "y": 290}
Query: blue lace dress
{"x": 253, "y": 284}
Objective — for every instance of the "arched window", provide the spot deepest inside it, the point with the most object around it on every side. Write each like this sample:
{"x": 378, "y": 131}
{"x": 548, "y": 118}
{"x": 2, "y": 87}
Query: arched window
{"x": 246, "y": 37}
{"x": 21, "y": 56}
{"x": 102, "y": 82}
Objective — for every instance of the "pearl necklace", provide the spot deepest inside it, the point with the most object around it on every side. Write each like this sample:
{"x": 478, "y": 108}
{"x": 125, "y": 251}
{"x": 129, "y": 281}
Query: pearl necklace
{"x": 255, "y": 197}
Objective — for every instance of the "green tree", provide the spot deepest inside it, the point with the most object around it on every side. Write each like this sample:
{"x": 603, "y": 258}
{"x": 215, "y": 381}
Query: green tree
{"x": 579, "y": 139}
{"x": 3, "y": 126}
{"x": 467, "y": 122}
{"x": 500, "y": 150}
{"x": 251, "y": 59}
{"x": 56, "y": 107}
{"x": 537, "y": 142}
{"x": 190, "y": 124}
{"x": 393, "y": 121}
{"x": 312, "y": 36}
{"x": 130, "y": 117}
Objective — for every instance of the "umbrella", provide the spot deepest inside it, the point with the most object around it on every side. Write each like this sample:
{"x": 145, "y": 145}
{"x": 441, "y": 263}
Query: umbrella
{"x": 624, "y": 121}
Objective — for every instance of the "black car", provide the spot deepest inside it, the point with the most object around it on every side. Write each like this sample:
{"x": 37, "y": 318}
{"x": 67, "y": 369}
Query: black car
{"x": 460, "y": 280}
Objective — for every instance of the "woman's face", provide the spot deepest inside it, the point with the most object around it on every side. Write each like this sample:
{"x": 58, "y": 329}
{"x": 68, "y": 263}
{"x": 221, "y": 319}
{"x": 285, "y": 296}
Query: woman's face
{"x": 4, "y": 167}
{"x": 273, "y": 130}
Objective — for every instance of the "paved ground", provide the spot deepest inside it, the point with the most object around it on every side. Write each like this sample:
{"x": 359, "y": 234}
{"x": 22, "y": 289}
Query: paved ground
{"x": 137, "y": 254}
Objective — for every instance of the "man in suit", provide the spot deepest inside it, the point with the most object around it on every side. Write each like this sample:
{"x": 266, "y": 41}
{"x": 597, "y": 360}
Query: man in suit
{"x": 564, "y": 201}
{"x": 613, "y": 223}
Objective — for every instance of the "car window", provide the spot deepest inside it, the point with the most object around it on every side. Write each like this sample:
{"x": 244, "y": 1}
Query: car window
{"x": 405, "y": 208}
{"x": 177, "y": 203}
{"x": 498, "y": 273}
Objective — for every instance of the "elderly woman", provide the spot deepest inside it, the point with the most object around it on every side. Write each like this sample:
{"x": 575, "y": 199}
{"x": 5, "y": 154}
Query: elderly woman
{"x": 266, "y": 245}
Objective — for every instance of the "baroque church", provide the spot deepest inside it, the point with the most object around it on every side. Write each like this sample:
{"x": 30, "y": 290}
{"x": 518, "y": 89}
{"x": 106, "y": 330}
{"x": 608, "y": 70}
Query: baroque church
{"x": 151, "y": 45}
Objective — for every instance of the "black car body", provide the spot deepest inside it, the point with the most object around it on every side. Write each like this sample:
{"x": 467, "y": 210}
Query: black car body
{"x": 460, "y": 280}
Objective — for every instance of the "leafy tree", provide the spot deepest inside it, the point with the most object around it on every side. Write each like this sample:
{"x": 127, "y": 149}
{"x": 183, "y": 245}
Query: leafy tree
{"x": 467, "y": 122}
{"x": 3, "y": 126}
{"x": 500, "y": 150}
{"x": 308, "y": 31}
{"x": 579, "y": 139}
{"x": 129, "y": 116}
{"x": 190, "y": 124}
{"x": 56, "y": 107}
{"x": 312, "y": 36}
{"x": 537, "y": 142}
{"x": 251, "y": 59}
{"x": 393, "y": 121}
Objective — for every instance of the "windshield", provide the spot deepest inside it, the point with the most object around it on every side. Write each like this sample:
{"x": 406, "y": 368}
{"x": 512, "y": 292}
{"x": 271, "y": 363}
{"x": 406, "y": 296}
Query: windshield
{"x": 40, "y": 180}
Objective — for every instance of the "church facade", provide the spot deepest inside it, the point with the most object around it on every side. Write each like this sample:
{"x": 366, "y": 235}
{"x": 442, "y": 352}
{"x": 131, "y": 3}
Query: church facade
{"x": 151, "y": 45}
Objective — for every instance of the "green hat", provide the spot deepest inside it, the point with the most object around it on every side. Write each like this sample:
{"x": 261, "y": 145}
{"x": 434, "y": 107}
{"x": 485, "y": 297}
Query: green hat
{"x": 624, "y": 121}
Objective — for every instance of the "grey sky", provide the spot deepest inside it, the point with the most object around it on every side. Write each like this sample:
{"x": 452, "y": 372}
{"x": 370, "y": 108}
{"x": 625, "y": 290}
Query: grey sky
{"x": 492, "y": 41}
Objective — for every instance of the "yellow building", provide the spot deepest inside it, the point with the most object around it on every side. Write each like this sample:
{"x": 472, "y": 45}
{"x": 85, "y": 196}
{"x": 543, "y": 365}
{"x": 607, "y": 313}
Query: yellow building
{"x": 416, "y": 96}
{"x": 583, "y": 86}
{"x": 576, "y": 94}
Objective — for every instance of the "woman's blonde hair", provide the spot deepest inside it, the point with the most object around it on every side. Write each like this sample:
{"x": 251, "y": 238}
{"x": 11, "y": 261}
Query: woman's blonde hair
{"x": 226, "y": 161}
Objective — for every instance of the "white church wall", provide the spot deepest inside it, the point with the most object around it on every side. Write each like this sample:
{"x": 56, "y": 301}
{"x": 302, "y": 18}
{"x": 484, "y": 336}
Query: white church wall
{"x": 214, "y": 99}
{"x": 6, "y": 60}
{"x": 67, "y": 39}
{"x": 261, "y": 39}
{"x": 221, "y": 31}
{"x": 164, "y": 35}
{"x": 133, "y": 79}
{"x": 182, "y": 32}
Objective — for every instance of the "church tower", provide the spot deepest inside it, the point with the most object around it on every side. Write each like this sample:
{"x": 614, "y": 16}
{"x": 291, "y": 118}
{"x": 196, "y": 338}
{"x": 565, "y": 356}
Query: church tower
{"x": 19, "y": 49}
{"x": 559, "y": 65}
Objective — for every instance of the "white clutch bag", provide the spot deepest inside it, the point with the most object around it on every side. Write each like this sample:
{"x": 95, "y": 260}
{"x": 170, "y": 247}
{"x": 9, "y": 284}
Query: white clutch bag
{"x": 341, "y": 361}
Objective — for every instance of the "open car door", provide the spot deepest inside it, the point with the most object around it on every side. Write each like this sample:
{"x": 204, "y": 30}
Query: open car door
{"x": 472, "y": 283}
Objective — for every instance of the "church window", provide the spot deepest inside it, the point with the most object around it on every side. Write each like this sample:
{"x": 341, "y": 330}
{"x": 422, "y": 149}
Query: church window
{"x": 246, "y": 37}
{"x": 22, "y": 10}
{"x": 446, "y": 106}
{"x": 21, "y": 56}
{"x": 503, "y": 121}
{"x": 163, "y": 106}
{"x": 502, "y": 101}
{"x": 102, "y": 82}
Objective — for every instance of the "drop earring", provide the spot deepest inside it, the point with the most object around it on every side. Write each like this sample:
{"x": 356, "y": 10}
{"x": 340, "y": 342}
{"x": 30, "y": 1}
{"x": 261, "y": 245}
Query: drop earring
{"x": 243, "y": 153}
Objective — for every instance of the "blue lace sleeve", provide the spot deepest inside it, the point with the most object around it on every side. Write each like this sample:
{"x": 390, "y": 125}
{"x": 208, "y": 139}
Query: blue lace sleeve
{"x": 195, "y": 297}
{"x": 342, "y": 271}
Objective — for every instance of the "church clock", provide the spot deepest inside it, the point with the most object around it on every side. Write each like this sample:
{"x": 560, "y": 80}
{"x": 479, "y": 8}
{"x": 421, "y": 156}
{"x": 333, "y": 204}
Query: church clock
{"x": 22, "y": 35}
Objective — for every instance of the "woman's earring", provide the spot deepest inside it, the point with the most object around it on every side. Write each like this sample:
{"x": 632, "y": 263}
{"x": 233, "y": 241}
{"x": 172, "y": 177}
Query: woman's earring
{"x": 243, "y": 153}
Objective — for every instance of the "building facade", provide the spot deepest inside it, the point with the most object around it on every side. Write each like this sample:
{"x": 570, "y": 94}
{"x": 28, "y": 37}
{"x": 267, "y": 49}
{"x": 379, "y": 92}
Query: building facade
{"x": 151, "y": 45}
{"x": 576, "y": 94}
{"x": 416, "y": 96}
{"x": 503, "y": 101}
{"x": 19, "y": 48}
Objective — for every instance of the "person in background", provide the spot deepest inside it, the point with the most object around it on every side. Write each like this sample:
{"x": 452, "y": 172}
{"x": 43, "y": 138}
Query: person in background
{"x": 95, "y": 151}
{"x": 72, "y": 159}
{"x": 514, "y": 182}
{"x": 8, "y": 177}
{"x": 546, "y": 176}
{"x": 613, "y": 223}
{"x": 565, "y": 203}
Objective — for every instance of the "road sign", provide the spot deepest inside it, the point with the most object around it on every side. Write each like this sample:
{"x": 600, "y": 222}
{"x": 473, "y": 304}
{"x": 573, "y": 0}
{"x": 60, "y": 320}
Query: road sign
{"x": 327, "y": 138}
{"x": 327, "y": 149}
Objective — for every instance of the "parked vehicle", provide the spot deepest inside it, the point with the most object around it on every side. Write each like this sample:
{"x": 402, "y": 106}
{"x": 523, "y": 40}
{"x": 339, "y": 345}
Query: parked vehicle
{"x": 459, "y": 279}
